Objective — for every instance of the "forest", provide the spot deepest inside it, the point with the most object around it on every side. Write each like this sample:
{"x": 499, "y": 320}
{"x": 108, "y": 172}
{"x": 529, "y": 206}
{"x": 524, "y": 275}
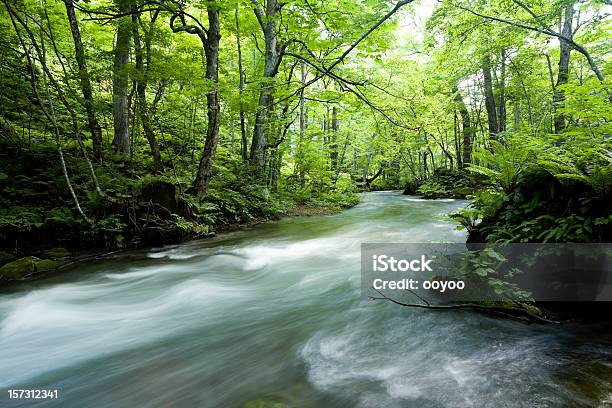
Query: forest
{"x": 195, "y": 197}
{"x": 127, "y": 123}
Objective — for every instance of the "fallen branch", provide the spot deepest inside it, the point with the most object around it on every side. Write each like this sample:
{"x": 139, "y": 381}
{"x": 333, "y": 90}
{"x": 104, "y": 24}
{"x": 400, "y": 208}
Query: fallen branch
{"x": 511, "y": 312}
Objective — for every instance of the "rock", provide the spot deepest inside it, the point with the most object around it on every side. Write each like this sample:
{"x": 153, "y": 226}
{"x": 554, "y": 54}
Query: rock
{"x": 161, "y": 193}
{"x": 411, "y": 188}
{"x": 57, "y": 253}
{"x": 24, "y": 267}
{"x": 265, "y": 403}
{"x": 462, "y": 192}
{"x": 47, "y": 265}
{"x": 19, "y": 269}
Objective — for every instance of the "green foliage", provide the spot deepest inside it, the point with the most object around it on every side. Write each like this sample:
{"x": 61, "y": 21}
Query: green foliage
{"x": 505, "y": 162}
{"x": 487, "y": 270}
{"x": 593, "y": 170}
{"x": 540, "y": 209}
{"x": 327, "y": 137}
{"x": 433, "y": 189}
{"x": 448, "y": 184}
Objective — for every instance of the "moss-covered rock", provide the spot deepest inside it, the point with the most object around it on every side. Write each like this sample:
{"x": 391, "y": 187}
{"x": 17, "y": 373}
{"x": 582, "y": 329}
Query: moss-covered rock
{"x": 57, "y": 253}
{"x": 449, "y": 184}
{"x": 19, "y": 269}
{"x": 27, "y": 266}
{"x": 47, "y": 265}
{"x": 265, "y": 403}
{"x": 462, "y": 192}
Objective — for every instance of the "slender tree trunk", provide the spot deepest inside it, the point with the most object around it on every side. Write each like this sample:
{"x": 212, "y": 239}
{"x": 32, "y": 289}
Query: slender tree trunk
{"x": 366, "y": 169}
{"x": 564, "y": 58}
{"x": 333, "y": 155}
{"x": 79, "y": 50}
{"x": 468, "y": 130}
{"x": 243, "y": 134}
{"x": 302, "y": 128}
{"x": 211, "y": 50}
{"x": 342, "y": 156}
{"x": 489, "y": 97}
{"x": 517, "y": 116}
{"x": 121, "y": 140}
{"x": 457, "y": 141}
{"x": 141, "y": 89}
{"x": 276, "y": 162}
{"x": 502, "y": 95}
{"x": 526, "y": 94}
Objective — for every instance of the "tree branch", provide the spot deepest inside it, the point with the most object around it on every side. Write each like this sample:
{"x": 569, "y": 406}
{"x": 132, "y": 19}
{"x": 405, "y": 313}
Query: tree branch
{"x": 512, "y": 312}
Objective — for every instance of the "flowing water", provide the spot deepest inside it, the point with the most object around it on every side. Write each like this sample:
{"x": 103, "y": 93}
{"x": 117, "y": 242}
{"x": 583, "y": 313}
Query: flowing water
{"x": 273, "y": 316}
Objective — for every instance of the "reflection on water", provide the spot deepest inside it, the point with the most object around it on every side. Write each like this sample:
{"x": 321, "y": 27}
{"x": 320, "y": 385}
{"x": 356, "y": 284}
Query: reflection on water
{"x": 273, "y": 315}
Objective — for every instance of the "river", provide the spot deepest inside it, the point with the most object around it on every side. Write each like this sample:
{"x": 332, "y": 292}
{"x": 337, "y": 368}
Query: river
{"x": 272, "y": 317}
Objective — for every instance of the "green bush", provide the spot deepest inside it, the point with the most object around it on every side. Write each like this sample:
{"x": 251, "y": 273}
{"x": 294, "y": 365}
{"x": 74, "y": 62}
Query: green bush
{"x": 448, "y": 184}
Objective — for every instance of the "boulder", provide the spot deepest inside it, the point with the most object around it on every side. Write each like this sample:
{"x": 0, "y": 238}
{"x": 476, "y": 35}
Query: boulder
{"x": 23, "y": 267}
{"x": 161, "y": 193}
{"x": 265, "y": 403}
{"x": 19, "y": 269}
{"x": 57, "y": 253}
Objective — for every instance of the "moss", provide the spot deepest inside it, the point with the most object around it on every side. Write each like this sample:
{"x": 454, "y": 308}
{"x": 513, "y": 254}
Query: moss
{"x": 265, "y": 403}
{"x": 509, "y": 304}
{"x": 19, "y": 269}
{"x": 27, "y": 266}
{"x": 448, "y": 184}
{"x": 462, "y": 192}
{"x": 57, "y": 253}
{"x": 47, "y": 265}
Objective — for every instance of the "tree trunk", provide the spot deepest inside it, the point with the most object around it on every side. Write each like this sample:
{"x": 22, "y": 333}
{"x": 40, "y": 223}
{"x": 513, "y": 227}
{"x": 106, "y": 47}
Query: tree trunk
{"x": 303, "y": 125}
{"x": 50, "y": 112}
{"x": 333, "y": 155}
{"x": 141, "y": 89}
{"x": 517, "y": 116}
{"x": 468, "y": 130}
{"x": 502, "y": 95}
{"x": 564, "y": 58}
{"x": 121, "y": 140}
{"x": 489, "y": 97}
{"x": 211, "y": 50}
{"x": 457, "y": 141}
{"x": 275, "y": 169}
{"x": 243, "y": 140}
{"x": 266, "y": 95}
{"x": 79, "y": 50}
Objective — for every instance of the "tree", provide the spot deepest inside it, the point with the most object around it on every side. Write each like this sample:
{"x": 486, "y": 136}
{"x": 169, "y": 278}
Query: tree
{"x": 273, "y": 54}
{"x": 141, "y": 87}
{"x": 210, "y": 39}
{"x": 86, "y": 89}
{"x": 565, "y": 48}
{"x": 121, "y": 107}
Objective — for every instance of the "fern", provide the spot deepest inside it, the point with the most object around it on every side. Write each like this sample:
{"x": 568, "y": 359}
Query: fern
{"x": 503, "y": 163}
{"x": 597, "y": 174}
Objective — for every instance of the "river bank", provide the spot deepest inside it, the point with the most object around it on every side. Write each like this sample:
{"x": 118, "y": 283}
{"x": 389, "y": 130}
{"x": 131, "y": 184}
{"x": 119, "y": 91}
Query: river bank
{"x": 32, "y": 264}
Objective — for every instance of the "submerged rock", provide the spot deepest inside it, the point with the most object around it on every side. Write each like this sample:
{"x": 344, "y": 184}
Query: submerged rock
{"x": 265, "y": 403}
